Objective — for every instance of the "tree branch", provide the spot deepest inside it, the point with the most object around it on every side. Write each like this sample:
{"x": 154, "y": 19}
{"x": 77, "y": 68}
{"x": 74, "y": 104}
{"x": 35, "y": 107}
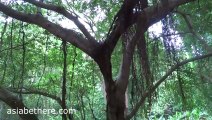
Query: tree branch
{"x": 149, "y": 16}
{"x": 63, "y": 11}
{"x": 15, "y": 103}
{"x": 122, "y": 20}
{"x": 38, "y": 92}
{"x": 124, "y": 71}
{"x": 199, "y": 38}
{"x": 169, "y": 72}
{"x": 157, "y": 12}
{"x": 153, "y": 14}
{"x": 65, "y": 34}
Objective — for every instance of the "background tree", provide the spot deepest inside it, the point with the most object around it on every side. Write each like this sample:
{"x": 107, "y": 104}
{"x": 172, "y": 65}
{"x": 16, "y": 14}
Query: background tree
{"x": 57, "y": 68}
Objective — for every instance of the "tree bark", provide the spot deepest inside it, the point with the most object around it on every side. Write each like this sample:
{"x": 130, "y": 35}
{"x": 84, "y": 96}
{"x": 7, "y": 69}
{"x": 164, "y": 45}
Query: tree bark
{"x": 116, "y": 105}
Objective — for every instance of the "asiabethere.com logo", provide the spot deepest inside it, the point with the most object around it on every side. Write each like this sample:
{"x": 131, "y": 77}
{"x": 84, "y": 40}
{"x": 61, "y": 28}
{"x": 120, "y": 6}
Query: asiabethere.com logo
{"x": 40, "y": 111}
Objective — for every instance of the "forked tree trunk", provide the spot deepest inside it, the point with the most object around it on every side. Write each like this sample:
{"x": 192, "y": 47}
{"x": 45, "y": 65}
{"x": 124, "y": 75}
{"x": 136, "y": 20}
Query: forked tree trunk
{"x": 115, "y": 98}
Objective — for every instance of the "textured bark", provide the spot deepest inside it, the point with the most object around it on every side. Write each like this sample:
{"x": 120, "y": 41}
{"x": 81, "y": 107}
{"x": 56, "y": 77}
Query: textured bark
{"x": 142, "y": 47}
{"x": 116, "y": 105}
{"x": 64, "y": 117}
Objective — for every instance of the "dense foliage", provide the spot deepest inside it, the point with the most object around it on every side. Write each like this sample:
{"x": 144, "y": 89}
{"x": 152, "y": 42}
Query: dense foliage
{"x": 33, "y": 62}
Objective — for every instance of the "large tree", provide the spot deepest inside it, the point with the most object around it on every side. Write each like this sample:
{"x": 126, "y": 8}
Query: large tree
{"x": 129, "y": 25}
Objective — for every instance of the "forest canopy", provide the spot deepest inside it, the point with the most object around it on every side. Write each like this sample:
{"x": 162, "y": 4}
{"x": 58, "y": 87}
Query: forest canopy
{"x": 99, "y": 59}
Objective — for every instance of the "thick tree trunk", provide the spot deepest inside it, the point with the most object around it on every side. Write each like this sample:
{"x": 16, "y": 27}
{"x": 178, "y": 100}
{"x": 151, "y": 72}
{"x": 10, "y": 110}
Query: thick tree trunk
{"x": 116, "y": 105}
{"x": 115, "y": 97}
